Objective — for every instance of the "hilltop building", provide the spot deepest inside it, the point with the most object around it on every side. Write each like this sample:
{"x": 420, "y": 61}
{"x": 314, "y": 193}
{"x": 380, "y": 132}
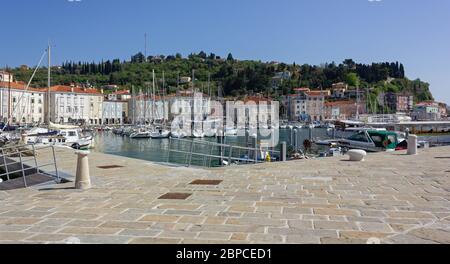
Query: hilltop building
{"x": 6, "y": 77}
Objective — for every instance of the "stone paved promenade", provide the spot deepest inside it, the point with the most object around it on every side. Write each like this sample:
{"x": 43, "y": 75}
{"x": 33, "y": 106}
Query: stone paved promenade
{"x": 391, "y": 197}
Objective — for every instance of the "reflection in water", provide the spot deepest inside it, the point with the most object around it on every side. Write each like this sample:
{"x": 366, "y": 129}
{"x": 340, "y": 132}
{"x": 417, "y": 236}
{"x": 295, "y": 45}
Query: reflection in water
{"x": 157, "y": 149}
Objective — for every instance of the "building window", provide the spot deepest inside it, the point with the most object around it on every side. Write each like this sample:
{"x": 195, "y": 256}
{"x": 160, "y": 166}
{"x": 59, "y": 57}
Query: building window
{"x": 40, "y": 111}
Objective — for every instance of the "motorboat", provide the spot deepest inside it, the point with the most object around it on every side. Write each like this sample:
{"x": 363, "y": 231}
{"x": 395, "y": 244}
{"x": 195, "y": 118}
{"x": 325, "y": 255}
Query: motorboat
{"x": 198, "y": 133}
{"x": 349, "y": 131}
{"x": 142, "y": 133}
{"x": 127, "y": 131}
{"x": 159, "y": 132}
{"x": 210, "y": 127}
{"x": 178, "y": 134}
{"x": 118, "y": 131}
{"x": 210, "y": 132}
{"x": 36, "y": 132}
{"x": 73, "y": 138}
{"x": 230, "y": 131}
{"x": 371, "y": 140}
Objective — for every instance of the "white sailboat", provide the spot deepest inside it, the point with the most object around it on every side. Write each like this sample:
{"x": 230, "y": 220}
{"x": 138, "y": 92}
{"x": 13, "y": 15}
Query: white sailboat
{"x": 141, "y": 133}
{"x": 159, "y": 132}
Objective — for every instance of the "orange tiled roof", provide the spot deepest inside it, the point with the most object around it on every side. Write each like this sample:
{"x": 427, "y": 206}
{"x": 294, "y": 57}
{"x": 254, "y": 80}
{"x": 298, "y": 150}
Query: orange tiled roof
{"x": 68, "y": 89}
{"x": 122, "y": 92}
{"x": 19, "y": 86}
{"x": 302, "y": 89}
{"x": 257, "y": 99}
{"x": 339, "y": 103}
{"x": 316, "y": 93}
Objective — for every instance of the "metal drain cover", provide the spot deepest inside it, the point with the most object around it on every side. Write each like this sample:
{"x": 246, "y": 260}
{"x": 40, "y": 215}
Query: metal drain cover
{"x": 175, "y": 196}
{"x": 442, "y": 157}
{"x": 109, "y": 167}
{"x": 206, "y": 182}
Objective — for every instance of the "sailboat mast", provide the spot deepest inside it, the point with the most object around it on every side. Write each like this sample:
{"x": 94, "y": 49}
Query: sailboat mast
{"x": 357, "y": 102}
{"x": 209, "y": 84}
{"x": 145, "y": 49}
{"x": 9, "y": 96}
{"x": 153, "y": 95}
{"x": 48, "y": 82}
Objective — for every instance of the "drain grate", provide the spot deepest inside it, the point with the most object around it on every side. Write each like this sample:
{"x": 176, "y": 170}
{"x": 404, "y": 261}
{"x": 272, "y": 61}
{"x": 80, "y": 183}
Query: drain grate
{"x": 175, "y": 196}
{"x": 442, "y": 157}
{"x": 109, "y": 167}
{"x": 206, "y": 182}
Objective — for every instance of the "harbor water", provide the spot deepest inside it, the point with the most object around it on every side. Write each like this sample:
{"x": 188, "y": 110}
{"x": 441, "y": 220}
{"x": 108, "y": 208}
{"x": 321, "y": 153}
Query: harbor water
{"x": 157, "y": 150}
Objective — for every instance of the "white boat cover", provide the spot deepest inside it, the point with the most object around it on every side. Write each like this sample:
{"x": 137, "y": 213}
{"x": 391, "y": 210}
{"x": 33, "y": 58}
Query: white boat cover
{"x": 58, "y": 126}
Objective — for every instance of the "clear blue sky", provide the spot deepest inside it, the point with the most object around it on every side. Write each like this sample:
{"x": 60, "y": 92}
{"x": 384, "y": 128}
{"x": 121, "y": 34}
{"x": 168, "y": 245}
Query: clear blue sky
{"x": 415, "y": 32}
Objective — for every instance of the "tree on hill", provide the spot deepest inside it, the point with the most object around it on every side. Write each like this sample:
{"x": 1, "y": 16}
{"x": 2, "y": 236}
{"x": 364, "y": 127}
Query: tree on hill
{"x": 230, "y": 57}
{"x": 352, "y": 79}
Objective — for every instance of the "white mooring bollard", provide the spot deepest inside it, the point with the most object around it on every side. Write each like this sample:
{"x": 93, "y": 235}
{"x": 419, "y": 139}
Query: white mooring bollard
{"x": 357, "y": 154}
{"x": 412, "y": 145}
{"x": 83, "y": 178}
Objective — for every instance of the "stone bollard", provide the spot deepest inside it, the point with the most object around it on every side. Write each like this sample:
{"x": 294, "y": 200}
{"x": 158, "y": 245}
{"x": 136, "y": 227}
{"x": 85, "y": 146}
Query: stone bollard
{"x": 412, "y": 145}
{"x": 295, "y": 139}
{"x": 83, "y": 179}
{"x": 254, "y": 145}
{"x": 283, "y": 151}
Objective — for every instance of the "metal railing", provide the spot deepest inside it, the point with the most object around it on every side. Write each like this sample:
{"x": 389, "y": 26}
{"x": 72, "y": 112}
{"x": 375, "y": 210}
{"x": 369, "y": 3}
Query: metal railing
{"x": 223, "y": 154}
{"x": 15, "y": 162}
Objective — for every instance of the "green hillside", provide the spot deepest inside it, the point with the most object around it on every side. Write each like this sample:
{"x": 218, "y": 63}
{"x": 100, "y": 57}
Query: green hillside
{"x": 230, "y": 76}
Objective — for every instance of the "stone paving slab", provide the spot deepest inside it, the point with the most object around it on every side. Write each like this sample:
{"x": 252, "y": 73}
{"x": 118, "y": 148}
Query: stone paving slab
{"x": 391, "y": 197}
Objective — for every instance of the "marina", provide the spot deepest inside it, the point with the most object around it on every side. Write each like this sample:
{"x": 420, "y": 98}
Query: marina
{"x": 249, "y": 123}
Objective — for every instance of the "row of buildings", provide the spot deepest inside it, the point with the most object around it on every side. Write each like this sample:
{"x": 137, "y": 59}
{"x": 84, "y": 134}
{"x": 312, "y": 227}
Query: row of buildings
{"x": 82, "y": 105}
{"x": 340, "y": 102}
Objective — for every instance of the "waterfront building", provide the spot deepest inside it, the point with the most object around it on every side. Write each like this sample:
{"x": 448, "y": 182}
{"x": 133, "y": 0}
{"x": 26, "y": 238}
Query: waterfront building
{"x": 442, "y": 110}
{"x": 344, "y": 109}
{"x": 143, "y": 109}
{"x": 188, "y": 101}
{"x": 399, "y": 102}
{"x": 114, "y": 112}
{"x": 23, "y": 106}
{"x": 71, "y": 104}
{"x": 426, "y": 111}
{"x": 306, "y": 105}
